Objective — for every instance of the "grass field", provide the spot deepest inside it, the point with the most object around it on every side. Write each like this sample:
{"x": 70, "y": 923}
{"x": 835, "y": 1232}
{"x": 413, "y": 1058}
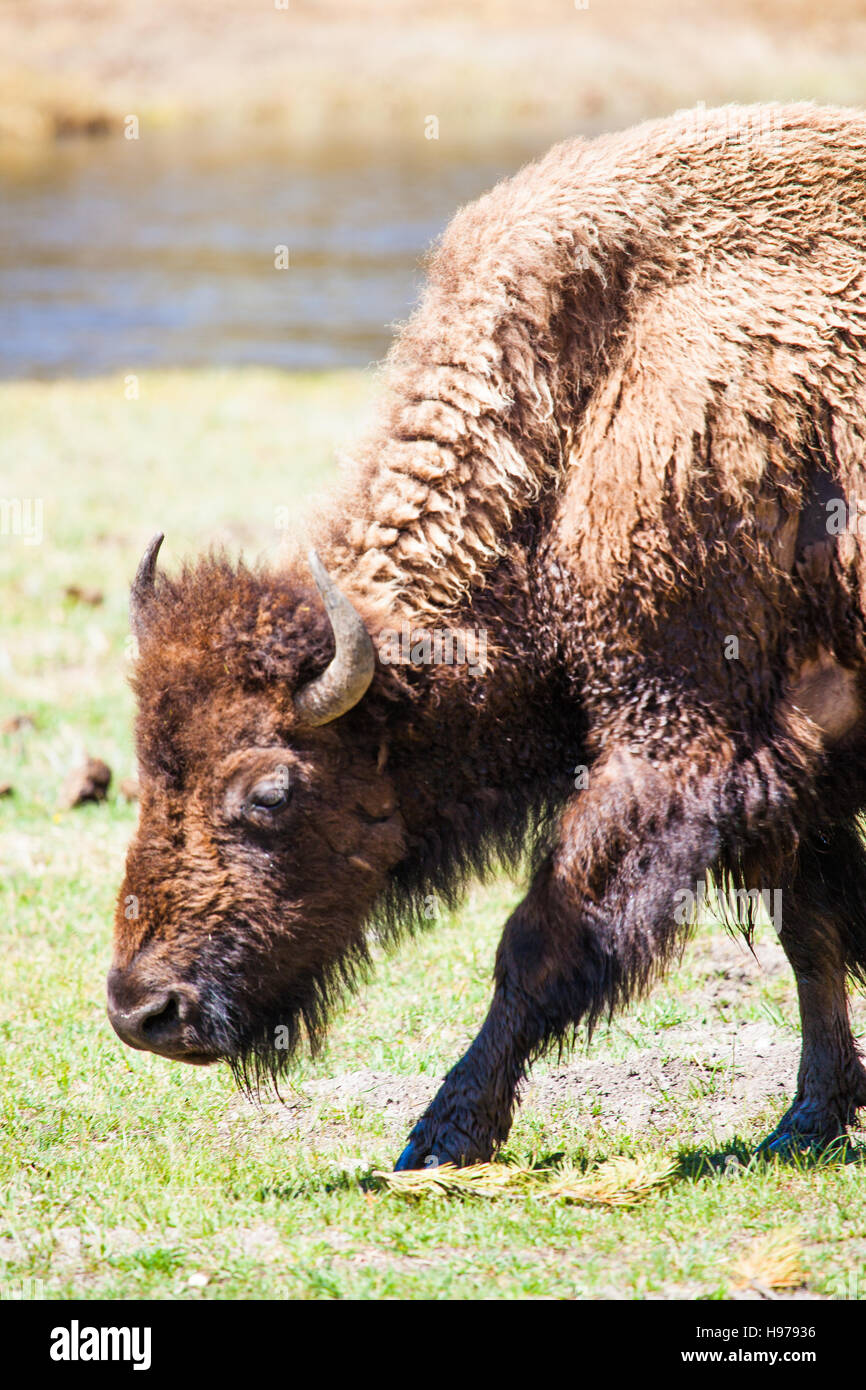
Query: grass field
{"x": 126, "y": 1176}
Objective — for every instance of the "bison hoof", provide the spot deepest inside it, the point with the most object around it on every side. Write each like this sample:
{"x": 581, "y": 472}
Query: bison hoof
{"x": 415, "y": 1157}
{"x": 790, "y": 1138}
{"x": 785, "y": 1143}
{"x": 449, "y": 1146}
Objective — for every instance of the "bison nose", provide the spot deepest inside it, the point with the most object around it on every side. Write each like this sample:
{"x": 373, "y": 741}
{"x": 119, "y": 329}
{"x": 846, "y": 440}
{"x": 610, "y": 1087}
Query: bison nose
{"x": 153, "y": 1020}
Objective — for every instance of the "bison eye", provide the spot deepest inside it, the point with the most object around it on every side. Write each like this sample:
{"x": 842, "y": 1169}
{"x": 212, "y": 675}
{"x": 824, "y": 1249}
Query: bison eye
{"x": 270, "y": 795}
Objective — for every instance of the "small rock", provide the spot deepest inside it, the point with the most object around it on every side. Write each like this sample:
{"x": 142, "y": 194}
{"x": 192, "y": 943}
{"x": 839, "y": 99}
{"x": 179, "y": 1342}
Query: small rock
{"x": 129, "y": 789}
{"x": 81, "y": 595}
{"x": 16, "y": 722}
{"x": 86, "y": 783}
{"x": 197, "y": 1281}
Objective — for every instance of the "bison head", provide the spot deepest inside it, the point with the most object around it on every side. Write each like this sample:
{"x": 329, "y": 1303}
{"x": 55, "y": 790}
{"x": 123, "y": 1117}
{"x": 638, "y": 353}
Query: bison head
{"x": 268, "y": 822}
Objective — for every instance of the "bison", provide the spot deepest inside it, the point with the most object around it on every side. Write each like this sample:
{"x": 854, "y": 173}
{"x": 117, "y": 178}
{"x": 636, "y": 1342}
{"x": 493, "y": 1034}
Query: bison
{"x": 589, "y": 598}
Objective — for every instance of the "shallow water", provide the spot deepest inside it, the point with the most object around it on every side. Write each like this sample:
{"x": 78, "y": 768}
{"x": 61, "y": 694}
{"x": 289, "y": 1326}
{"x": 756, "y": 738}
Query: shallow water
{"x": 118, "y": 255}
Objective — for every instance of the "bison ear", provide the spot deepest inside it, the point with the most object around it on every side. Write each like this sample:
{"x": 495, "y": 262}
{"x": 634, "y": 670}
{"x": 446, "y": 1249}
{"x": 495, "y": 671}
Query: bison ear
{"x": 141, "y": 593}
{"x": 345, "y": 680}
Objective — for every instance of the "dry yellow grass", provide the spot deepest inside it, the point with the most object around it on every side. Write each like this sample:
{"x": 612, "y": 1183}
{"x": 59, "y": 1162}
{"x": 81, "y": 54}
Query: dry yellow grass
{"x": 773, "y": 1260}
{"x": 621, "y": 1182}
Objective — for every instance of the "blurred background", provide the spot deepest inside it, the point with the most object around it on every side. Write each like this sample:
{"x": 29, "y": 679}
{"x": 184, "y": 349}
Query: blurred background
{"x": 153, "y": 156}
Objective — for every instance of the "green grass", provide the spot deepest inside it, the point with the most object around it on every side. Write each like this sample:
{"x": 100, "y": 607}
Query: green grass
{"x": 125, "y": 1176}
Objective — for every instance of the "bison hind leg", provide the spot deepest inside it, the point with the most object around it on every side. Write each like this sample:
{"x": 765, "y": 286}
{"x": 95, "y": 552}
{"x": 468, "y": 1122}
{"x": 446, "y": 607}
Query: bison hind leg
{"x": 824, "y": 937}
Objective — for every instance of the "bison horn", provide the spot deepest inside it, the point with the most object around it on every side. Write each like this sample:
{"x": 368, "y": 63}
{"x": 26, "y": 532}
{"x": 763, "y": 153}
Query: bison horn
{"x": 142, "y": 586}
{"x": 345, "y": 680}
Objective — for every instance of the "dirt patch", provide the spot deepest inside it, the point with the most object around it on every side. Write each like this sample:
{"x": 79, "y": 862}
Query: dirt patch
{"x": 707, "y": 1078}
{"x": 718, "y": 1090}
{"x": 716, "y": 1078}
{"x": 314, "y": 1109}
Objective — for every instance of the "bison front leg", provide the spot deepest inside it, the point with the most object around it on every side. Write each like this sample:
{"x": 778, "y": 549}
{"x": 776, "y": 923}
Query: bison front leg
{"x": 824, "y": 936}
{"x": 599, "y": 919}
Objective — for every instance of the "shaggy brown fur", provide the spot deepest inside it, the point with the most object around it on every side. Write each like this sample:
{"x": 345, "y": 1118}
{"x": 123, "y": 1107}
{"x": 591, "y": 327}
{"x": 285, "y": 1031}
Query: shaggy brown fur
{"x": 611, "y": 439}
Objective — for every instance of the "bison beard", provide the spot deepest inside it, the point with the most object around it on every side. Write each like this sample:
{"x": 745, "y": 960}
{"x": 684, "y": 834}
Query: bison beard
{"x": 611, "y": 439}
{"x": 260, "y": 1042}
